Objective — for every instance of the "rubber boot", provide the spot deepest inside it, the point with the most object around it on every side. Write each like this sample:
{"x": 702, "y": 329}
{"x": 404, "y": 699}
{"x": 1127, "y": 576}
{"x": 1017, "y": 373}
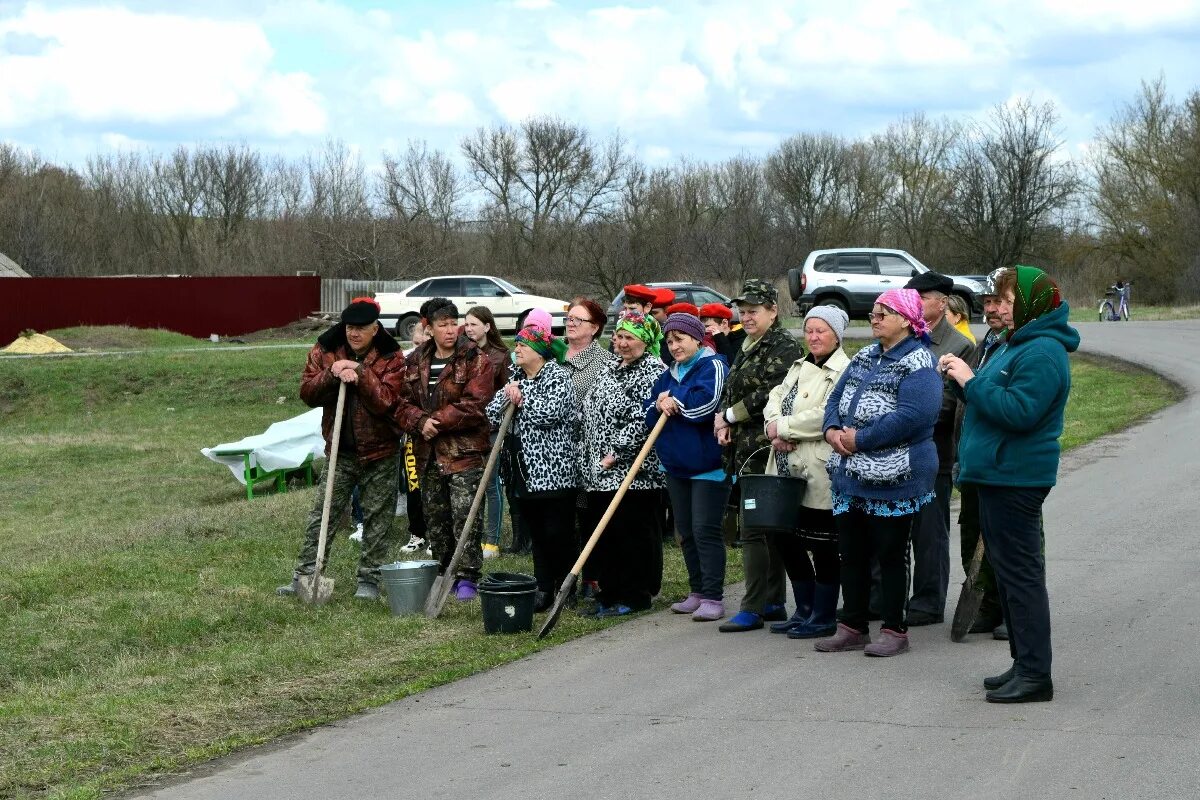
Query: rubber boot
{"x": 803, "y": 590}
{"x": 823, "y": 621}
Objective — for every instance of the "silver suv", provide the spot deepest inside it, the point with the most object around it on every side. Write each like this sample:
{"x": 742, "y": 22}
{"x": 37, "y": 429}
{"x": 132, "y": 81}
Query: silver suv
{"x": 851, "y": 278}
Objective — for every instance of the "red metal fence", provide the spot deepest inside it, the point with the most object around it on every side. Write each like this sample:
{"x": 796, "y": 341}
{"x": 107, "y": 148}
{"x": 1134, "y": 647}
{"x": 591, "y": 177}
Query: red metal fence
{"x": 194, "y": 306}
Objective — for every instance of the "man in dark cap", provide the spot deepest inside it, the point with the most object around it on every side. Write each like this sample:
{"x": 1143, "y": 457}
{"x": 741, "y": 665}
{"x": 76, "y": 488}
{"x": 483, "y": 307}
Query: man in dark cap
{"x": 448, "y": 383}
{"x": 931, "y": 529}
{"x": 359, "y": 353}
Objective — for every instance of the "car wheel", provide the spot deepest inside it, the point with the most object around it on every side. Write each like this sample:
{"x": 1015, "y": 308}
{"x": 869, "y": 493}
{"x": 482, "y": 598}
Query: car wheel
{"x": 405, "y": 327}
{"x": 794, "y": 282}
{"x": 836, "y": 302}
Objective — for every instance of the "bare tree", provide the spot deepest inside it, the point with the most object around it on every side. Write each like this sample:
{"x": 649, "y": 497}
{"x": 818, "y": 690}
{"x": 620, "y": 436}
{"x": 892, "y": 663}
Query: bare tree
{"x": 918, "y": 154}
{"x": 425, "y": 194}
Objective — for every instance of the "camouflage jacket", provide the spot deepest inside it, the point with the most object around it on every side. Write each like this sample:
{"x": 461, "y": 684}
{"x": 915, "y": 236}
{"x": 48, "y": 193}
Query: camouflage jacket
{"x": 456, "y": 404}
{"x": 751, "y": 378}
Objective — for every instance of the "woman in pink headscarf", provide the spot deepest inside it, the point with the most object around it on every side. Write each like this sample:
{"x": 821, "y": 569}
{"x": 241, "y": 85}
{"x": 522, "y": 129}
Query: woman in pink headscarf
{"x": 879, "y": 421}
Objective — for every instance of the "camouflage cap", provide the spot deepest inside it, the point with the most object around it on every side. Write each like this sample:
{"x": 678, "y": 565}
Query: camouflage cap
{"x": 757, "y": 292}
{"x": 989, "y": 285}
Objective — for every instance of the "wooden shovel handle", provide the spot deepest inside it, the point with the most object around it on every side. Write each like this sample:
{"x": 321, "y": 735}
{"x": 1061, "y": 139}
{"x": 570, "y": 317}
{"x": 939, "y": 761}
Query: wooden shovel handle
{"x": 616, "y": 501}
{"x": 330, "y": 469}
{"x": 976, "y": 561}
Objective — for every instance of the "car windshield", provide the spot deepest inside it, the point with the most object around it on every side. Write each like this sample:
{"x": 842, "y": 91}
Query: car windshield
{"x": 509, "y": 286}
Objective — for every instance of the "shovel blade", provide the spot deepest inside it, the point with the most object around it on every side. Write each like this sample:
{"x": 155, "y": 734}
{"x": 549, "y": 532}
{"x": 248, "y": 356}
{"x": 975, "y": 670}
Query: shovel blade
{"x": 314, "y": 590}
{"x": 564, "y": 593}
{"x": 966, "y": 612}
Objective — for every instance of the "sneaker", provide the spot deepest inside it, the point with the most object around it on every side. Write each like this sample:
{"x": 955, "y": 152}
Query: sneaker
{"x": 491, "y": 551}
{"x": 687, "y": 605}
{"x": 846, "y": 638}
{"x": 415, "y": 543}
{"x": 366, "y": 591}
{"x": 465, "y": 591}
{"x": 357, "y": 535}
{"x": 889, "y": 643}
{"x": 709, "y": 611}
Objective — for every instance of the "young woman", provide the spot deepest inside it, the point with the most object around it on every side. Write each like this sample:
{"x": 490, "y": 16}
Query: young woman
{"x": 480, "y": 327}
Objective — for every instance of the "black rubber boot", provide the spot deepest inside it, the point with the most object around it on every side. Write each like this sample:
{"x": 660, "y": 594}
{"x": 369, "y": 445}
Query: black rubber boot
{"x": 803, "y": 590}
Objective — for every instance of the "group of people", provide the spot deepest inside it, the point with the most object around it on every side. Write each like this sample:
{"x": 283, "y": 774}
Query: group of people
{"x": 880, "y": 439}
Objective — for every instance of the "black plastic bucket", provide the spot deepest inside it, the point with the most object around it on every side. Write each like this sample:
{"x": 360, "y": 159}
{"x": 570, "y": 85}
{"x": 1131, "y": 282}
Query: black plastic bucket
{"x": 771, "y": 502}
{"x": 507, "y": 599}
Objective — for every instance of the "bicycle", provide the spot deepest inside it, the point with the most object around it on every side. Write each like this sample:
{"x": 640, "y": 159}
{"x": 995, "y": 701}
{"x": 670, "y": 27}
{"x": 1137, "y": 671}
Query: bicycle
{"x": 1113, "y": 306}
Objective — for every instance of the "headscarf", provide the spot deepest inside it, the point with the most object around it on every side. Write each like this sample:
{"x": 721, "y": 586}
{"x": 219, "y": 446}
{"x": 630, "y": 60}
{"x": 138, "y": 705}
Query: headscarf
{"x": 538, "y": 340}
{"x": 539, "y": 318}
{"x": 1036, "y": 294}
{"x": 907, "y": 303}
{"x": 645, "y": 328}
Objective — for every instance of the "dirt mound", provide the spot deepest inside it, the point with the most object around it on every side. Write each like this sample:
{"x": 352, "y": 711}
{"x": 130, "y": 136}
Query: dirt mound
{"x": 31, "y": 343}
{"x": 302, "y": 329}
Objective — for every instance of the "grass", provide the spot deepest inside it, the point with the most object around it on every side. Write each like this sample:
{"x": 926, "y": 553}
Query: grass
{"x": 1139, "y": 313}
{"x": 139, "y": 630}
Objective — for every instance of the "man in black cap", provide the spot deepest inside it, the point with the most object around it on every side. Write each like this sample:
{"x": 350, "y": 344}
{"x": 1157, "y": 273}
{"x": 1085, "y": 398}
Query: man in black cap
{"x": 931, "y": 531}
{"x": 361, "y": 354}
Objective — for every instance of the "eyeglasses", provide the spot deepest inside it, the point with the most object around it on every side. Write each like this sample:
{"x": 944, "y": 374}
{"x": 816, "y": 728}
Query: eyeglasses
{"x": 877, "y": 316}
{"x": 577, "y": 320}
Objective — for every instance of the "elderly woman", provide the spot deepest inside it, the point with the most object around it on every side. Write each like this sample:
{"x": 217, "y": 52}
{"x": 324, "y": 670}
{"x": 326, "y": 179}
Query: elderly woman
{"x": 879, "y": 421}
{"x": 687, "y": 393}
{"x": 760, "y": 365}
{"x": 614, "y": 431}
{"x": 583, "y": 357}
{"x": 795, "y": 415}
{"x": 1009, "y": 451}
{"x": 539, "y": 462}
{"x": 480, "y": 327}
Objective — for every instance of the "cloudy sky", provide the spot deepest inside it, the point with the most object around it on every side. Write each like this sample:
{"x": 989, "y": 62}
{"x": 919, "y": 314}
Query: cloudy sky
{"x": 704, "y": 80}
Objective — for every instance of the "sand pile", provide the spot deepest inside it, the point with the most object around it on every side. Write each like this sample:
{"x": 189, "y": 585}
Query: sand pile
{"x": 30, "y": 343}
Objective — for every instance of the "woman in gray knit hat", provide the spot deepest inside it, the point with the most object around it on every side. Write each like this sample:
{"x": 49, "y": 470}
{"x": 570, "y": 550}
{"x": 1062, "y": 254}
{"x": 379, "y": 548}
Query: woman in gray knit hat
{"x": 793, "y": 422}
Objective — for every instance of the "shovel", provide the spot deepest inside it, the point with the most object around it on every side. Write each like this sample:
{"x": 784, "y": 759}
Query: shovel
{"x": 315, "y": 589}
{"x": 969, "y": 599}
{"x": 441, "y": 587}
{"x": 568, "y": 585}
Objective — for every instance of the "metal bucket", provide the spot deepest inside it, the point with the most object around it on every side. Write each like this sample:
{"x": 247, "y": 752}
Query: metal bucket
{"x": 407, "y": 584}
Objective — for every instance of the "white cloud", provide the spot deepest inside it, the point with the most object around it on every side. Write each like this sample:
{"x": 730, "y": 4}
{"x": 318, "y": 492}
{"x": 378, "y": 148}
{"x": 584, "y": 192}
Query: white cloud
{"x": 108, "y": 64}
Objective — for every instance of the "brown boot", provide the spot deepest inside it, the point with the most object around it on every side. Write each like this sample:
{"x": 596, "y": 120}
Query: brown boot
{"x": 846, "y": 638}
{"x": 890, "y": 643}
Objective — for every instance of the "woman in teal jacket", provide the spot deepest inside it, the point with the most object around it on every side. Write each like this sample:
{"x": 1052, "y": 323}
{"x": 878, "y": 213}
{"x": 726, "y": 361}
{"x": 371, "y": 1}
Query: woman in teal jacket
{"x": 1009, "y": 449}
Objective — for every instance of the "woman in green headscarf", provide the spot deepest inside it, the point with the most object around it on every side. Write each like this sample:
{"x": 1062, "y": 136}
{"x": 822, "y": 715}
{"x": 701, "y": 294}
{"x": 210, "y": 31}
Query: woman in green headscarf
{"x": 1009, "y": 451}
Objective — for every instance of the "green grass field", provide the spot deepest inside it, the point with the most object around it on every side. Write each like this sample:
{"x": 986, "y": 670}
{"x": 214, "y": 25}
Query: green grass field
{"x": 138, "y": 624}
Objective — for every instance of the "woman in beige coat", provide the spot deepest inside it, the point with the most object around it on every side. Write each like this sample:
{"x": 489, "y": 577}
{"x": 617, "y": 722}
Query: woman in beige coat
{"x": 794, "y": 415}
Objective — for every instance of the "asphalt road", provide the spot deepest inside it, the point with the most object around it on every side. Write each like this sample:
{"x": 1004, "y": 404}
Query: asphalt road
{"x": 663, "y": 707}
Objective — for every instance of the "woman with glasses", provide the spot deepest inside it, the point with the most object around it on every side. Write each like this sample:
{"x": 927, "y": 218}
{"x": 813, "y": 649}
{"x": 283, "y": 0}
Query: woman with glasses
{"x": 879, "y": 421}
{"x": 584, "y": 358}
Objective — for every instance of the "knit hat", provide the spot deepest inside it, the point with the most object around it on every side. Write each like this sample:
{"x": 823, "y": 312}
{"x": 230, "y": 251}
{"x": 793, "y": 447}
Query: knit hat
{"x": 539, "y": 318}
{"x": 907, "y": 303}
{"x": 361, "y": 311}
{"x": 1036, "y": 294}
{"x": 832, "y": 316}
{"x": 684, "y": 323}
{"x": 538, "y": 340}
{"x": 643, "y": 327}
{"x": 716, "y": 311}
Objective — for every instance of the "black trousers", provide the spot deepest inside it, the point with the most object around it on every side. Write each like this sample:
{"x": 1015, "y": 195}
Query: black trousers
{"x": 794, "y": 548}
{"x": 550, "y": 520}
{"x": 699, "y": 506}
{"x": 628, "y": 556}
{"x": 861, "y": 538}
{"x": 1012, "y": 534}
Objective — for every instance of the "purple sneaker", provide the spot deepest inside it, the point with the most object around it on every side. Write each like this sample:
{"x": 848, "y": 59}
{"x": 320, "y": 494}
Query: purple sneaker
{"x": 709, "y": 611}
{"x": 687, "y": 605}
{"x": 465, "y": 590}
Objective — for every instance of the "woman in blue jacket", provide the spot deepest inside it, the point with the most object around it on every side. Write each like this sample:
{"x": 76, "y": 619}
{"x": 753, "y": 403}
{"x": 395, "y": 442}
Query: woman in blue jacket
{"x": 688, "y": 394}
{"x": 1009, "y": 450}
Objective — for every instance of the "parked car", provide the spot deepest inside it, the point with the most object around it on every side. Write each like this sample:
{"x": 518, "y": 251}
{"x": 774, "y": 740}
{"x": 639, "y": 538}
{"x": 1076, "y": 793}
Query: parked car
{"x": 508, "y": 303}
{"x": 851, "y": 278}
{"x": 695, "y": 293}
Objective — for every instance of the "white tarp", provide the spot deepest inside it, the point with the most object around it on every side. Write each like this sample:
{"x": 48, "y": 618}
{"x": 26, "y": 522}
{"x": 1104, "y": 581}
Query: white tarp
{"x": 284, "y": 445}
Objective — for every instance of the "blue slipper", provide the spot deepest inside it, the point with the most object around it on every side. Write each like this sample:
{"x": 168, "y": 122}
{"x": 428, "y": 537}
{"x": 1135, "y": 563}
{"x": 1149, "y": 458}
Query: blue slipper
{"x": 742, "y": 621}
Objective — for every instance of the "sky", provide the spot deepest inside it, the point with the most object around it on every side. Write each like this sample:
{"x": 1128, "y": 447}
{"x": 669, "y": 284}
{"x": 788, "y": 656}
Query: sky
{"x": 676, "y": 78}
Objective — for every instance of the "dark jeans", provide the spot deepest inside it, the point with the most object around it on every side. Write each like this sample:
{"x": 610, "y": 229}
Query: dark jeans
{"x": 794, "y": 548}
{"x": 1012, "y": 521}
{"x": 968, "y": 537}
{"x": 551, "y": 521}
{"x": 861, "y": 538}
{"x": 629, "y": 550}
{"x": 699, "y": 507}
{"x": 931, "y": 551}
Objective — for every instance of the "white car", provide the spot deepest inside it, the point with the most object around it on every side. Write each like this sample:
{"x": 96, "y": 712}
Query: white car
{"x": 508, "y": 303}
